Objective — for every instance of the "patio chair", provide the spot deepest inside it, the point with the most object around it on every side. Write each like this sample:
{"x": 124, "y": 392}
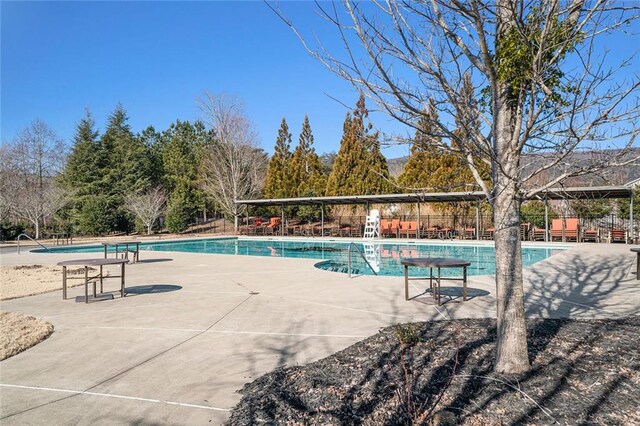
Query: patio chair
{"x": 468, "y": 234}
{"x": 592, "y": 235}
{"x": 618, "y": 236}
{"x": 393, "y": 229}
{"x": 273, "y": 226}
{"x": 487, "y": 233}
{"x": 525, "y": 231}
{"x": 430, "y": 232}
{"x": 409, "y": 228}
{"x": 538, "y": 234}
{"x": 569, "y": 232}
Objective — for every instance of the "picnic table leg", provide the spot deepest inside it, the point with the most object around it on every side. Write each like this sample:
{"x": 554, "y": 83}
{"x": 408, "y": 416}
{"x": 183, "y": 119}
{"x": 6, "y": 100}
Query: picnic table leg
{"x": 64, "y": 283}
{"x": 122, "y": 280}
{"x": 464, "y": 284}
{"x": 406, "y": 282}
{"x": 431, "y": 280}
{"x": 438, "y": 288}
{"x": 101, "y": 280}
{"x": 86, "y": 284}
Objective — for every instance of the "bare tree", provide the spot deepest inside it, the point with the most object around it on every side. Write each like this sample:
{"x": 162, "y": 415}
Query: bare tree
{"x": 233, "y": 167}
{"x": 539, "y": 68}
{"x": 147, "y": 206}
{"x": 36, "y": 156}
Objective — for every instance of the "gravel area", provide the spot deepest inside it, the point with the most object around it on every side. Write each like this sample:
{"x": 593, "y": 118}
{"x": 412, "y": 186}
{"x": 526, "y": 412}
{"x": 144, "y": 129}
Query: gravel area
{"x": 20, "y": 332}
{"x": 583, "y": 372}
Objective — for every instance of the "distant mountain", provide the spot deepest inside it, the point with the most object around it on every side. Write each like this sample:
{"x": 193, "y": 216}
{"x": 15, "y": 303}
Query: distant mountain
{"x": 610, "y": 176}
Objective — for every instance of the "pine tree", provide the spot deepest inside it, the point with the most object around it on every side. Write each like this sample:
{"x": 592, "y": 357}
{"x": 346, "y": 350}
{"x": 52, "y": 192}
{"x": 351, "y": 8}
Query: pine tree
{"x": 181, "y": 153}
{"x": 278, "y": 183}
{"x": 81, "y": 175}
{"x": 425, "y": 157}
{"x": 360, "y": 167}
{"x": 308, "y": 180}
{"x": 79, "y": 172}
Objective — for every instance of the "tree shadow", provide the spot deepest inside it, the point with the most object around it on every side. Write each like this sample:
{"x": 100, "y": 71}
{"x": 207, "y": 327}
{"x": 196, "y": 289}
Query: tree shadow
{"x": 565, "y": 355}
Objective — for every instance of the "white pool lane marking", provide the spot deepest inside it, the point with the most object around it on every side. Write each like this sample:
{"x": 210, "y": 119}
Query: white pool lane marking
{"x": 110, "y": 395}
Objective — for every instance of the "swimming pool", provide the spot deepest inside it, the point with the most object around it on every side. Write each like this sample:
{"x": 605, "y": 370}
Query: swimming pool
{"x": 383, "y": 256}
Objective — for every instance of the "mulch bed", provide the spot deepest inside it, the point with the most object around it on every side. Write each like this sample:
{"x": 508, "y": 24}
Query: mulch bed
{"x": 583, "y": 372}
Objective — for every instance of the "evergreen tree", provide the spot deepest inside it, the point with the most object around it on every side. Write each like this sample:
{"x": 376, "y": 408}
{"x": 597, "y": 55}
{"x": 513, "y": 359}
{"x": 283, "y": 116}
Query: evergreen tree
{"x": 308, "y": 180}
{"x": 181, "y": 152}
{"x": 425, "y": 157}
{"x": 278, "y": 183}
{"x": 360, "y": 167}
{"x": 79, "y": 176}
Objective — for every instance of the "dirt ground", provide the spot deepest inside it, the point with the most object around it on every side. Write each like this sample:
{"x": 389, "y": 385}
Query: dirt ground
{"x": 27, "y": 280}
{"x": 583, "y": 372}
{"x": 19, "y": 332}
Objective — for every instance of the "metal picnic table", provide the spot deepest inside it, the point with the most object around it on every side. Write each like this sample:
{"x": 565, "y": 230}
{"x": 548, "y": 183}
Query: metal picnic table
{"x": 126, "y": 251}
{"x": 438, "y": 263}
{"x": 88, "y": 263}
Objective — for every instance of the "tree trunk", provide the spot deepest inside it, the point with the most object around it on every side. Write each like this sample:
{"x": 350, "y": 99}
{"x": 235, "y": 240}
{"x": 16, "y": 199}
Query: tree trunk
{"x": 149, "y": 226}
{"x": 37, "y": 225}
{"x": 511, "y": 347}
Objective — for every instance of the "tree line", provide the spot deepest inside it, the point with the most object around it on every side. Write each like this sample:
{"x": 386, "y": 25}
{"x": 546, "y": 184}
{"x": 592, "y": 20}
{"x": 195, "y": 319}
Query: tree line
{"x": 117, "y": 181}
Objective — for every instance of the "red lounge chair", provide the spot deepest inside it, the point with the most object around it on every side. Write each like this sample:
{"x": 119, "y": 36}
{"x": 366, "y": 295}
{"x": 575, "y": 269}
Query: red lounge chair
{"x": 393, "y": 228}
{"x": 591, "y": 235}
{"x": 570, "y": 231}
{"x": 409, "y": 228}
{"x": 618, "y": 236}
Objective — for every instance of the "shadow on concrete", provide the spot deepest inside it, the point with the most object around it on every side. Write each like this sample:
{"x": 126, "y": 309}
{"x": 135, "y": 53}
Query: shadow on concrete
{"x": 154, "y": 260}
{"x": 572, "y": 285}
{"x": 152, "y": 288}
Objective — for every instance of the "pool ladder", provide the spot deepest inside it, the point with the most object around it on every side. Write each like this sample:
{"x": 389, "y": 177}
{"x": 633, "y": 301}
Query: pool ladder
{"x": 354, "y": 245}
{"x": 26, "y": 236}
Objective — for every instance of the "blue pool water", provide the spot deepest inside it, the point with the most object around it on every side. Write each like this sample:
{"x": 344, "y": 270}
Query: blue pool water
{"x": 384, "y": 257}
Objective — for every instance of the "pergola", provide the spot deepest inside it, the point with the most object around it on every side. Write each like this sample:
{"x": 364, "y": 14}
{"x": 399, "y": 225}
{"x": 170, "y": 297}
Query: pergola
{"x": 560, "y": 193}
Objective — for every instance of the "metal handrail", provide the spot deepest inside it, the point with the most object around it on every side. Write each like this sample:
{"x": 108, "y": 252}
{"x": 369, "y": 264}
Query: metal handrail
{"x": 352, "y": 244}
{"x": 26, "y": 236}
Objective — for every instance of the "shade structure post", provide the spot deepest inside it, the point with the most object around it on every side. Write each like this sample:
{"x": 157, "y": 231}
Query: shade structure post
{"x": 478, "y": 221}
{"x": 282, "y": 222}
{"x": 546, "y": 219}
{"x": 322, "y": 219}
{"x": 418, "y": 221}
{"x": 631, "y": 236}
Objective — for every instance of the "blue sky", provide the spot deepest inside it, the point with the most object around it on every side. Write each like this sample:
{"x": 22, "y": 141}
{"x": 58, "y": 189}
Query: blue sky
{"x": 157, "y": 57}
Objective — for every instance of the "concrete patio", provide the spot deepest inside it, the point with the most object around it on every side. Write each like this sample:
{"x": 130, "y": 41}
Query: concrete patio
{"x": 196, "y": 327}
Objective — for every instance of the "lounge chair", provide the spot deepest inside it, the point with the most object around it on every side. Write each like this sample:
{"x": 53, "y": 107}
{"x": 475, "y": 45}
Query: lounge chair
{"x": 393, "y": 229}
{"x": 409, "y": 228}
{"x": 469, "y": 234}
{"x": 618, "y": 236}
{"x": 273, "y": 226}
{"x": 571, "y": 231}
{"x": 430, "y": 232}
{"x": 487, "y": 233}
{"x": 591, "y": 235}
{"x": 538, "y": 234}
